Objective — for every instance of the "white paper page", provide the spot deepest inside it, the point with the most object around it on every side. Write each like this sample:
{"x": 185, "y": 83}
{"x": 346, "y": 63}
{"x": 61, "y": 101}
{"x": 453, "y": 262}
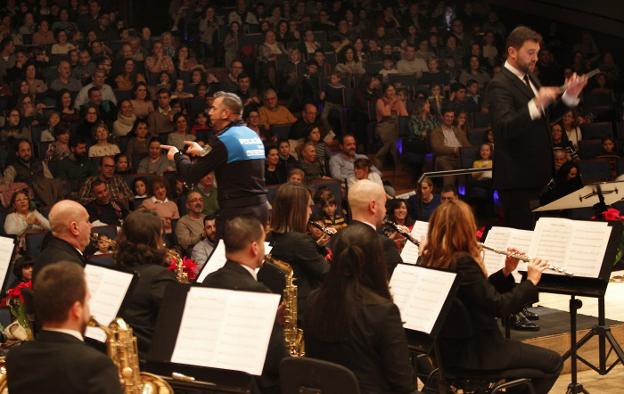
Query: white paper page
{"x": 497, "y": 237}
{"x": 108, "y": 289}
{"x": 552, "y": 237}
{"x": 226, "y": 329}
{"x": 587, "y": 249}
{"x": 216, "y": 261}
{"x": 6, "y": 253}
{"x": 409, "y": 254}
{"x": 420, "y": 293}
{"x": 267, "y": 248}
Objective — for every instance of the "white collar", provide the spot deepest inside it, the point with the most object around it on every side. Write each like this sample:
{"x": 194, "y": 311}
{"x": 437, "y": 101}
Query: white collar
{"x": 67, "y": 331}
{"x": 157, "y": 201}
{"x": 251, "y": 271}
{"x": 515, "y": 71}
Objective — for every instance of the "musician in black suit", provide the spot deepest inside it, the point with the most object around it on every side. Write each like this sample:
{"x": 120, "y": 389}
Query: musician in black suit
{"x": 368, "y": 208}
{"x": 58, "y": 360}
{"x": 521, "y": 111}
{"x": 291, "y": 211}
{"x": 140, "y": 250}
{"x": 470, "y": 338}
{"x": 244, "y": 249}
{"x": 70, "y": 234}
{"x": 351, "y": 320}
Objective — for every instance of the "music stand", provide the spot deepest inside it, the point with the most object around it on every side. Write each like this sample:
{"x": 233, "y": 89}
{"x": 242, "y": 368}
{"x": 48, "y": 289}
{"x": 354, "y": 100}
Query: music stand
{"x": 596, "y": 196}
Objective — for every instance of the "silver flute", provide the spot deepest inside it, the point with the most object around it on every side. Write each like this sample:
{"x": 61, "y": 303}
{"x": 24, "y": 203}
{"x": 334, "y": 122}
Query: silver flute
{"x": 524, "y": 258}
{"x": 404, "y": 233}
{"x": 324, "y": 229}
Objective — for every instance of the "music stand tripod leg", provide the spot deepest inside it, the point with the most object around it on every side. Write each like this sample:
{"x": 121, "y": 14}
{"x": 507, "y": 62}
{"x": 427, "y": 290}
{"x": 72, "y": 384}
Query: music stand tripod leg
{"x": 574, "y": 387}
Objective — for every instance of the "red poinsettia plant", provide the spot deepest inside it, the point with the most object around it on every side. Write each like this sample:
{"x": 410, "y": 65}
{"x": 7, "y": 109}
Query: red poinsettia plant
{"x": 17, "y": 306}
{"x": 613, "y": 215}
{"x": 189, "y": 266}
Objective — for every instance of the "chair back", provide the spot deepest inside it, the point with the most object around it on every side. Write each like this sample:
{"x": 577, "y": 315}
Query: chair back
{"x": 594, "y": 170}
{"x": 596, "y": 130}
{"x": 309, "y": 375}
{"x": 34, "y": 243}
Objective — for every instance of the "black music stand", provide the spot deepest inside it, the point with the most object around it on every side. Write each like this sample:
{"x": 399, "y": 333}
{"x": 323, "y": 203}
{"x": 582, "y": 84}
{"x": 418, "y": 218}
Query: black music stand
{"x": 588, "y": 287}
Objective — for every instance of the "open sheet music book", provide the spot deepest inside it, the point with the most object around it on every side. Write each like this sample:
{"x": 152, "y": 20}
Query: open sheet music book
{"x": 409, "y": 254}
{"x": 420, "y": 294}
{"x": 7, "y": 245}
{"x": 108, "y": 289}
{"x": 217, "y": 260}
{"x": 225, "y": 329}
{"x": 574, "y": 245}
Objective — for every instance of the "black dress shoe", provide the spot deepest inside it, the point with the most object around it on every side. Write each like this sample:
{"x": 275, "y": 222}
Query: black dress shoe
{"x": 529, "y": 315}
{"x": 521, "y": 323}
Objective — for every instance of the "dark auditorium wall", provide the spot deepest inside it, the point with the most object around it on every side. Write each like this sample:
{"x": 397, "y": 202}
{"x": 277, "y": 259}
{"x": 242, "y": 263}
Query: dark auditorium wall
{"x": 152, "y": 13}
{"x": 605, "y": 16}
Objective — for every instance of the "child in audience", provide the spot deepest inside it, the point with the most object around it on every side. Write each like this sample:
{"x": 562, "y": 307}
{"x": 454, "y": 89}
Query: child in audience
{"x": 140, "y": 190}
{"x": 332, "y": 217}
{"x": 103, "y": 245}
{"x": 296, "y": 175}
{"x": 22, "y": 269}
{"x": 608, "y": 147}
{"x": 485, "y": 154}
{"x": 333, "y": 96}
{"x": 287, "y": 161}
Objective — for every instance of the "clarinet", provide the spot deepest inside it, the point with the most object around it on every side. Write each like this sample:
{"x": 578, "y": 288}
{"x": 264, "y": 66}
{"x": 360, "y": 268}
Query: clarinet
{"x": 324, "y": 229}
{"x": 404, "y": 233}
{"x": 521, "y": 257}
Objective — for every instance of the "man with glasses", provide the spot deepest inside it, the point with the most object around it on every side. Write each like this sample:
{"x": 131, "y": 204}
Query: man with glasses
{"x": 271, "y": 113}
{"x": 117, "y": 186}
{"x": 230, "y": 82}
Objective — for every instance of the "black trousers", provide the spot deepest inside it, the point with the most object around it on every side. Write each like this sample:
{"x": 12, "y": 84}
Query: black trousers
{"x": 534, "y": 357}
{"x": 517, "y": 206}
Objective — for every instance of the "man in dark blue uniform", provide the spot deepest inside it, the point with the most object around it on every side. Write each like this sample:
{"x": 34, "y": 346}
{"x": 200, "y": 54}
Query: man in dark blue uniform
{"x": 236, "y": 154}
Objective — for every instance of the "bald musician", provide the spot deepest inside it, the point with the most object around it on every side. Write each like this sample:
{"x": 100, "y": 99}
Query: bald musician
{"x": 71, "y": 230}
{"x": 367, "y": 200}
{"x": 58, "y": 360}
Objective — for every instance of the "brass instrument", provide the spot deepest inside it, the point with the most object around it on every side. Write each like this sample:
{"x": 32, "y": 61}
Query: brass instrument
{"x": 293, "y": 336}
{"x": 181, "y": 276}
{"x": 524, "y": 258}
{"x": 326, "y": 230}
{"x": 121, "y": 347}
{"x": 4, "y": 382}
{"x": 404, "y": 233}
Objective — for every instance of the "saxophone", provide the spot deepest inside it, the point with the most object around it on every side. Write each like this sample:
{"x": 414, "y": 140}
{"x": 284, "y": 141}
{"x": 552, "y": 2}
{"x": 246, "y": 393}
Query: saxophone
{"x": 181, "y": 276}
{"x": 121, "y": 347}
{"x": 293, "y": 336}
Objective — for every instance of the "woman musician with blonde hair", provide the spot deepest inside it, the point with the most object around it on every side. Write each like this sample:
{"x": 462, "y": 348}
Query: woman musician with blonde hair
{"x": 471, "y": 338}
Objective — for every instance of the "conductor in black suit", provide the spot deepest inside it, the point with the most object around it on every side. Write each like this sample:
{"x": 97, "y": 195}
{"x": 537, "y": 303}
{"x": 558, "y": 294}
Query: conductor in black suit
{"x": 521, "y": 110}
{"x": 71, "y": 231}
{"x": 367, "y": 200}
{"x": 58, "y": 360}
{"x": 244, "y": 249}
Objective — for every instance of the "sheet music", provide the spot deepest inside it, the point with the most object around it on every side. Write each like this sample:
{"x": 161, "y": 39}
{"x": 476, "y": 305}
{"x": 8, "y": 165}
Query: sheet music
{"x": 420, "y": 294}
{"x": 503, "y": 238}
{"x": 108, "y": 289}
{"x": 575, "y": 245}
{"x": 7, "y": 245}
{"x": 410, "y": 252}
{"x": 216, "y": 261}
{"x": 226, "y": 329}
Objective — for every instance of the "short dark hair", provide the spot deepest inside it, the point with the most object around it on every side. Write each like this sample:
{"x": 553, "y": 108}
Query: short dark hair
{"x": 57, "y": 288}
{"x": 240, "y": 231}
{"x": 449, "y": 188}
{"x": 209, "y": 217}
{"x": 520, "y": 35}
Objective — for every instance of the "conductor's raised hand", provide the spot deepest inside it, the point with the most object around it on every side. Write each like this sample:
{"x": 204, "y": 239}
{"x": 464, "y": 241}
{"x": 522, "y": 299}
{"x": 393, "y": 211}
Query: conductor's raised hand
{"x": 575, "y": 84}
{"x": 535, "y": 269}
{"x": 193, "y": 148}
{"x": 545, "y": 96}
{"x": 171, "y": 150}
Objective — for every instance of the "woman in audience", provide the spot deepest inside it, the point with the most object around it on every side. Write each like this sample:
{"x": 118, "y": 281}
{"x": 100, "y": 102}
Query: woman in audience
{"x": 125, "y": 119}
{"x": 184, "y": 61}
{"x": 268, "y": 52}
{"x": 141, "y": 103}
{"x": 166, "y": 209}
{"x": 422, "y": 204}
{"x": 352, "y": 320}
{"x": 65, "y": 107}
{"x": 571, "y": 128}
{"x": 90, "y": 120}
{"x": 129, "y": 77}
{"x": 388, "y": 109}
{"x": 561, "y": 141}
{"x": 416, "y": 137}
{"x": 231, "y": 43}
{"x": 137, "y": 147}
{"x": 292, "y": 207}
{"x": 470, "y": 338}
{"x": 59, "y": 149}
{"x": 159, "y": 62}
{"x": 102, "y": 147}
{"x": 397, "y": 213}
{"x": 461, "y": 122}
{"x": 140, "y": 250}
{"x": 35, "y": 85}
{"x": 181, "y": 132}
{"x": 24, "y": 219}
{"x": 349, "y": 64}
{"x": 274, "y": 173}
{"x": 43, "y": 36}
{"x": 309, "y": 45}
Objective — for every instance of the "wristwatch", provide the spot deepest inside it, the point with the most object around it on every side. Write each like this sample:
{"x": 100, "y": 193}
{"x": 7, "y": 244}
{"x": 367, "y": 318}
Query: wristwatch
{"x": 207, "y": 149}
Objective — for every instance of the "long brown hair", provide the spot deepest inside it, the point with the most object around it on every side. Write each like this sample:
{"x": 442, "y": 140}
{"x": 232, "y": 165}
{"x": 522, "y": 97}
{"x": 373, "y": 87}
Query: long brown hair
{"x": 451, "y": 233}
{"x": 290, "y": 209}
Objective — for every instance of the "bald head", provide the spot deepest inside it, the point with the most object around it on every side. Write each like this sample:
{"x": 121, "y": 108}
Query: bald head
{"x": 69, "y": 221}
{"x": 367, "y": 200}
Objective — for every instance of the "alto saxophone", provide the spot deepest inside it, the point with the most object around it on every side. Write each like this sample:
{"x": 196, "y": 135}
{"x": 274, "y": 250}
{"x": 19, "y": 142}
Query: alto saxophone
{"x": 181, "y": 276}
{"x": 121, "y": 347}
{"x": 293, "y": 336}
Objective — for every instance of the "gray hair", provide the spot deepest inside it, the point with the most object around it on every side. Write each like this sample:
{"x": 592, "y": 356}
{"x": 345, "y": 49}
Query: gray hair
{"x": 231, "y": 101}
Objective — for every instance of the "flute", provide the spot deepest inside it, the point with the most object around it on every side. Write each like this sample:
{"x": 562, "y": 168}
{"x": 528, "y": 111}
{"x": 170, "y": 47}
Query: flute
{"x": 404, "y": 233}
{"x": 326, "y": 230}
{"x": 521, "y": 257}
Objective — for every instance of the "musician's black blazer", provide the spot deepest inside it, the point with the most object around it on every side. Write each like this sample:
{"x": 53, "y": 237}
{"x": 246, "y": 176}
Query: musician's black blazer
{"x": 142, "y": 304}
{"x": 376, "y": 351}
{"x": 55, "y": 250}
{"x": 470, "y": 337}
{"x": 60, "y": 363}
{"x": 390, "y": 251}
{"x": 234, "y": 277}
{"x": 523, "y": 157}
